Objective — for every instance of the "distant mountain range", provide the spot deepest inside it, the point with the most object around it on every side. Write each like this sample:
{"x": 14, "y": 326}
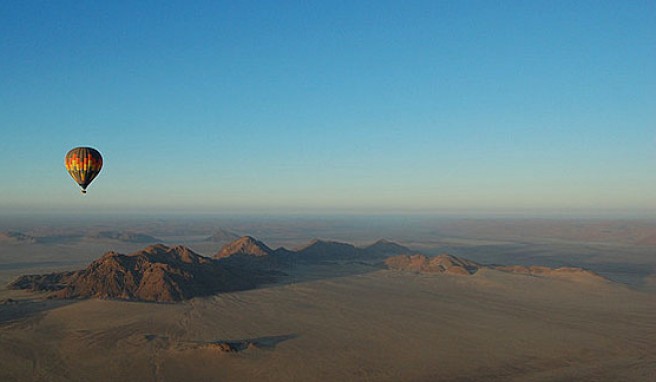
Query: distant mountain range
{"x": 16, "y": 237}
{"x": 159, "y": 273}
{"x": 124, "y": 236}
{"x": 62, "y": 238}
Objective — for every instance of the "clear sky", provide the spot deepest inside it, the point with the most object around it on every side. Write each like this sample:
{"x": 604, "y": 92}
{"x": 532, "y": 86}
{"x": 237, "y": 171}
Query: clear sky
{"x": 352, "y": 106}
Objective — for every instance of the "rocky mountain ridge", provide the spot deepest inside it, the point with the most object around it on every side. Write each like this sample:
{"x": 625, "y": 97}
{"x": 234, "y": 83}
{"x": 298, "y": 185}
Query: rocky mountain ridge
{"x": 159, "y": 273}
{"x": 73, "y": 237}
{"x": 246, "y": 245}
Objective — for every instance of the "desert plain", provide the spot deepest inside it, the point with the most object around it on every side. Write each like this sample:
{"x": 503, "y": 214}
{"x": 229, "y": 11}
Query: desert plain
{"x": 334, "y": 320}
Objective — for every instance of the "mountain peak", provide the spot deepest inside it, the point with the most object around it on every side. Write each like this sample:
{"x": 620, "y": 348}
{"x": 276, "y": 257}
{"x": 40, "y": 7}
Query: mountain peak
{"x": 384, "y": 246}
{"x": 325, "y": 243}
{"x": 155, "y": 249}
{"x": 328, "y": 249}
{"x": 245, "y": 245}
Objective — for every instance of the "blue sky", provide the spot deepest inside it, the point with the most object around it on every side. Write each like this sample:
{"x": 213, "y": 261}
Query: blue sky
{"x": 347, "y": 106}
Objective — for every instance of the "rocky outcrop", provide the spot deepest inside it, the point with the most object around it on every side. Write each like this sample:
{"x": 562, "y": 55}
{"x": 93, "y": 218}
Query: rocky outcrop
{"x": 572, "y": 273}
{"x": 157, "y": 273}
{"x": 438, "y": 264}
{"x": 454, "y": 265}
{"x": 246, "y": 245}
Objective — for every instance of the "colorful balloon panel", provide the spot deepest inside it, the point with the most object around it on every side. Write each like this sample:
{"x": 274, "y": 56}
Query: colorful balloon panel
{"x": 83, "y": 164}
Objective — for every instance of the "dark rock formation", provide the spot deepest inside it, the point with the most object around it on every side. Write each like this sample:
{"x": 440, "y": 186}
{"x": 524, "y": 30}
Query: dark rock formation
{"x": 327, "y": 250}
{"x": 385, "y": 247}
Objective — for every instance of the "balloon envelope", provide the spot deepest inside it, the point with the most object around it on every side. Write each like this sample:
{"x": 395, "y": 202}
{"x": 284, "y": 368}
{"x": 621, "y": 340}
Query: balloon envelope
{"x": 83, "y": 164}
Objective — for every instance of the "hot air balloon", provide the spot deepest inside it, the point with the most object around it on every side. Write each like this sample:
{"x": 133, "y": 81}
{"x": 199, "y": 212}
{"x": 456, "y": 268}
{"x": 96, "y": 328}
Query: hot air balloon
{"x": 84, "y": 164}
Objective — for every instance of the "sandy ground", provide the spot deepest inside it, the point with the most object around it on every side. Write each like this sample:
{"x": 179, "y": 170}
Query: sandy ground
{"x": 377, "y": 326}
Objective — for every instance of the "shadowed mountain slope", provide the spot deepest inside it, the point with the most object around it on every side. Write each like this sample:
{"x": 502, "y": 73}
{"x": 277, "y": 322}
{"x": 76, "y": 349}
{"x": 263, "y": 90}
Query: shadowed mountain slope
{"x": 386, "y": 247}
{"x": 327, "y": 250}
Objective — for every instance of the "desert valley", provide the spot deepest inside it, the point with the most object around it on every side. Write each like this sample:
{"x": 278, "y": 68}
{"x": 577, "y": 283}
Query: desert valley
{"x": 426, "y": 300}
